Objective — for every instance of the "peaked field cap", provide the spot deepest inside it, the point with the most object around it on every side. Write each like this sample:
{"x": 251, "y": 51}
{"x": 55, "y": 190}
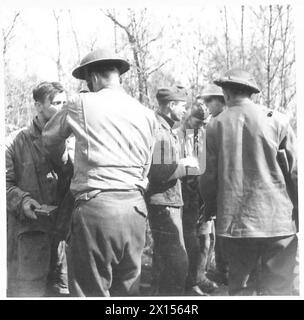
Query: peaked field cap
{"x": 171, "y": 94}
{"x": 239, "y": 78}
{"x": 211, "y": 90}
{"x": 100, "y": 57}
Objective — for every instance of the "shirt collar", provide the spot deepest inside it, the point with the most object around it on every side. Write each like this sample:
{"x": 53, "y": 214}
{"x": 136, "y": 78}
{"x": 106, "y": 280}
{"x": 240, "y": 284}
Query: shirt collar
{"x": 240, "y": 101}
{"x": 166, "y": 121}
{"x": 111, "y": 87}
{"x": 35, "y": 128}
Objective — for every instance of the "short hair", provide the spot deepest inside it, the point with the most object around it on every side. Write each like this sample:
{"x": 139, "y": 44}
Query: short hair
{"x": 47, "y": 89}
{"x": 163, "y": 103}
{"x": 102, "y": 68}
{"x": 238, "y": 89}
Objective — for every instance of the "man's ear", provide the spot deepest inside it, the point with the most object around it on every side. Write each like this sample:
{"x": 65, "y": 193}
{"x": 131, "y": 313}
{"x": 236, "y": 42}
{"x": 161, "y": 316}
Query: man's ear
{"x": 227, "y": 96}
{"x": 94, "y": 77}
{"x": 170, "y": 105}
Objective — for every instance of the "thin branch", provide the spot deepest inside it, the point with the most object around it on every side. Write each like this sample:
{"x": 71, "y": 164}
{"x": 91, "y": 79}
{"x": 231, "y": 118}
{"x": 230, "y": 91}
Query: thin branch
{"x": 75, "y": 36}
{"x": 151, "y": 40}
{"x": 7, "y": 35}
{"x": 113, "y": 18}
{"x": 242, "y": 38}
{"x": 227, "y": 39}
{"x": 58, "y": 62}
{"x": 157, "y": 68}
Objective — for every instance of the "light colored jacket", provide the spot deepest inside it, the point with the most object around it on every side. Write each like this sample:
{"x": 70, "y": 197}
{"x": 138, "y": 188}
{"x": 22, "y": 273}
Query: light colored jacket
{"x": 251, "y": 172}
{"x": 114, "y": 140}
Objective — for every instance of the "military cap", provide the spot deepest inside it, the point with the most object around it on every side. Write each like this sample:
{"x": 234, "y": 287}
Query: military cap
{"x": 211, "y": 90}
{"x": 238, "y": 78}
{"x": 171, "y": 94}
{"x": 100, "y": 57}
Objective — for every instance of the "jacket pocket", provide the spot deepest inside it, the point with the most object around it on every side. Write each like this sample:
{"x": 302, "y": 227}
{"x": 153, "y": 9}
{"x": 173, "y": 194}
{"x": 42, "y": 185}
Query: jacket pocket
{"x": 142, "y": 210}
{"x": 33, "y": 255}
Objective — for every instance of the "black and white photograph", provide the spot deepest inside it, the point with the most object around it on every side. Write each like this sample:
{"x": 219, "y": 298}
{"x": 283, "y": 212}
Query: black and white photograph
{"x": 151, "y": 150}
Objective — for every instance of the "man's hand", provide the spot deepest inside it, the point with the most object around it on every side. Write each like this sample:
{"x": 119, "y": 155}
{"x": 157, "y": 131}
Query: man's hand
{"x": 191, "y": 165}
{"x": 29, "y": 205}
{"x": 191, "y": 162}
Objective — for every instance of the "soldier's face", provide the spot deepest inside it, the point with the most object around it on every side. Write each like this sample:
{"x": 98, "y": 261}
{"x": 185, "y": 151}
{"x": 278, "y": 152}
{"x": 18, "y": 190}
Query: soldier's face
{"x": 48, "y": 108}
{"x": 178, "y": 110}
{"x": 214, "y": 105}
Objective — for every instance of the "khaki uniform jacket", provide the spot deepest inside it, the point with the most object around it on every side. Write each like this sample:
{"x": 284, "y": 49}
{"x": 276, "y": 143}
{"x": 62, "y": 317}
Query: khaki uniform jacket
{"x": 251, "y": 172}
{"x": 114, "y": 137}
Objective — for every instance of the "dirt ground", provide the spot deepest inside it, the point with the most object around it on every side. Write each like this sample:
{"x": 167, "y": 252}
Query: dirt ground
{"x": 146, "y": 278}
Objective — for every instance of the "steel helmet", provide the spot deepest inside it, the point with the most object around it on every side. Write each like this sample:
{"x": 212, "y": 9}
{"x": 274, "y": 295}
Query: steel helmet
{"x": 98, "y": 57}
{"x": 239, "y": 78}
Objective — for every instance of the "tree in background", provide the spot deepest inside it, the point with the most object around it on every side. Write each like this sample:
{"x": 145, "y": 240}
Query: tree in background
{"x": 139, "y": 36}
{"x": 176, "y": 49}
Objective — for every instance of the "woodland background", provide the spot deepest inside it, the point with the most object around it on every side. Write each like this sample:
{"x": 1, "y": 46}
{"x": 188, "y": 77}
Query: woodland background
{"x": 186, "y": 45}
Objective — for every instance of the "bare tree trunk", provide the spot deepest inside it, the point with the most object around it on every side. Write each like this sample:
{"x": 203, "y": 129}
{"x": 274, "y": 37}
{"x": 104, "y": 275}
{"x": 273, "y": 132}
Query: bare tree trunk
{"x": 227, "y": 39}
{"x": 284, "y": 33}
{"x": 58, "y": 60}
{"x": 242, "y": 38}
{"x": 137, "y": 37}
{"x": 75, "y": 37}
{"x": 269, "y": 50}
{"x": 115, "y": 33}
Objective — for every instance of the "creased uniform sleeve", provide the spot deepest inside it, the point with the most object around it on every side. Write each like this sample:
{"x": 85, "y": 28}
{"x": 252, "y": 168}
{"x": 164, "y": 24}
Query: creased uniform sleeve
{"x": 54, "y": 136}
{"x": 14, "y": 194}
{"x": 208, "y": 180}
{"x": 288, "y": 145}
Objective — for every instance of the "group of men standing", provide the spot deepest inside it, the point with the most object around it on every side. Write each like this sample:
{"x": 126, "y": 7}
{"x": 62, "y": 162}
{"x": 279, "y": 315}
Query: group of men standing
{"x": 130, "y": 164}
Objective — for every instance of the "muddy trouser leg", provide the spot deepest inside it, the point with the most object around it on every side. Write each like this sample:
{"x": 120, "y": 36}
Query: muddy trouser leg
{"x": 203, "y": 255}
{"x": 296, "y": 274}
{"x": 278, "y": 261}
{"x": 166, "y": 226}
{"x": 193, "y": 250}
{"x": 58, "y": 277}
{"x": 242, "y": 255}
{"x": 220, "y": 259}
{"x": 156, "y": 272}
{"x": 106, "y": 245}
{"x": 192, "y": 244}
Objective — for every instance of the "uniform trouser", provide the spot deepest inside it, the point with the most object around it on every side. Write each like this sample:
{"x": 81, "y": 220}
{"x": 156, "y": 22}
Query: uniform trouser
{"x": 58, "y": 277}
{"x": 169, "y": 249}
{"x": 296, "y": 276}
{"x": 106, "y": 244}
{"x": 193, "y": 247}
{"x": 36, "y": 269}
{"x": 220, "y": 257}
{"x": 277, "y": 257}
